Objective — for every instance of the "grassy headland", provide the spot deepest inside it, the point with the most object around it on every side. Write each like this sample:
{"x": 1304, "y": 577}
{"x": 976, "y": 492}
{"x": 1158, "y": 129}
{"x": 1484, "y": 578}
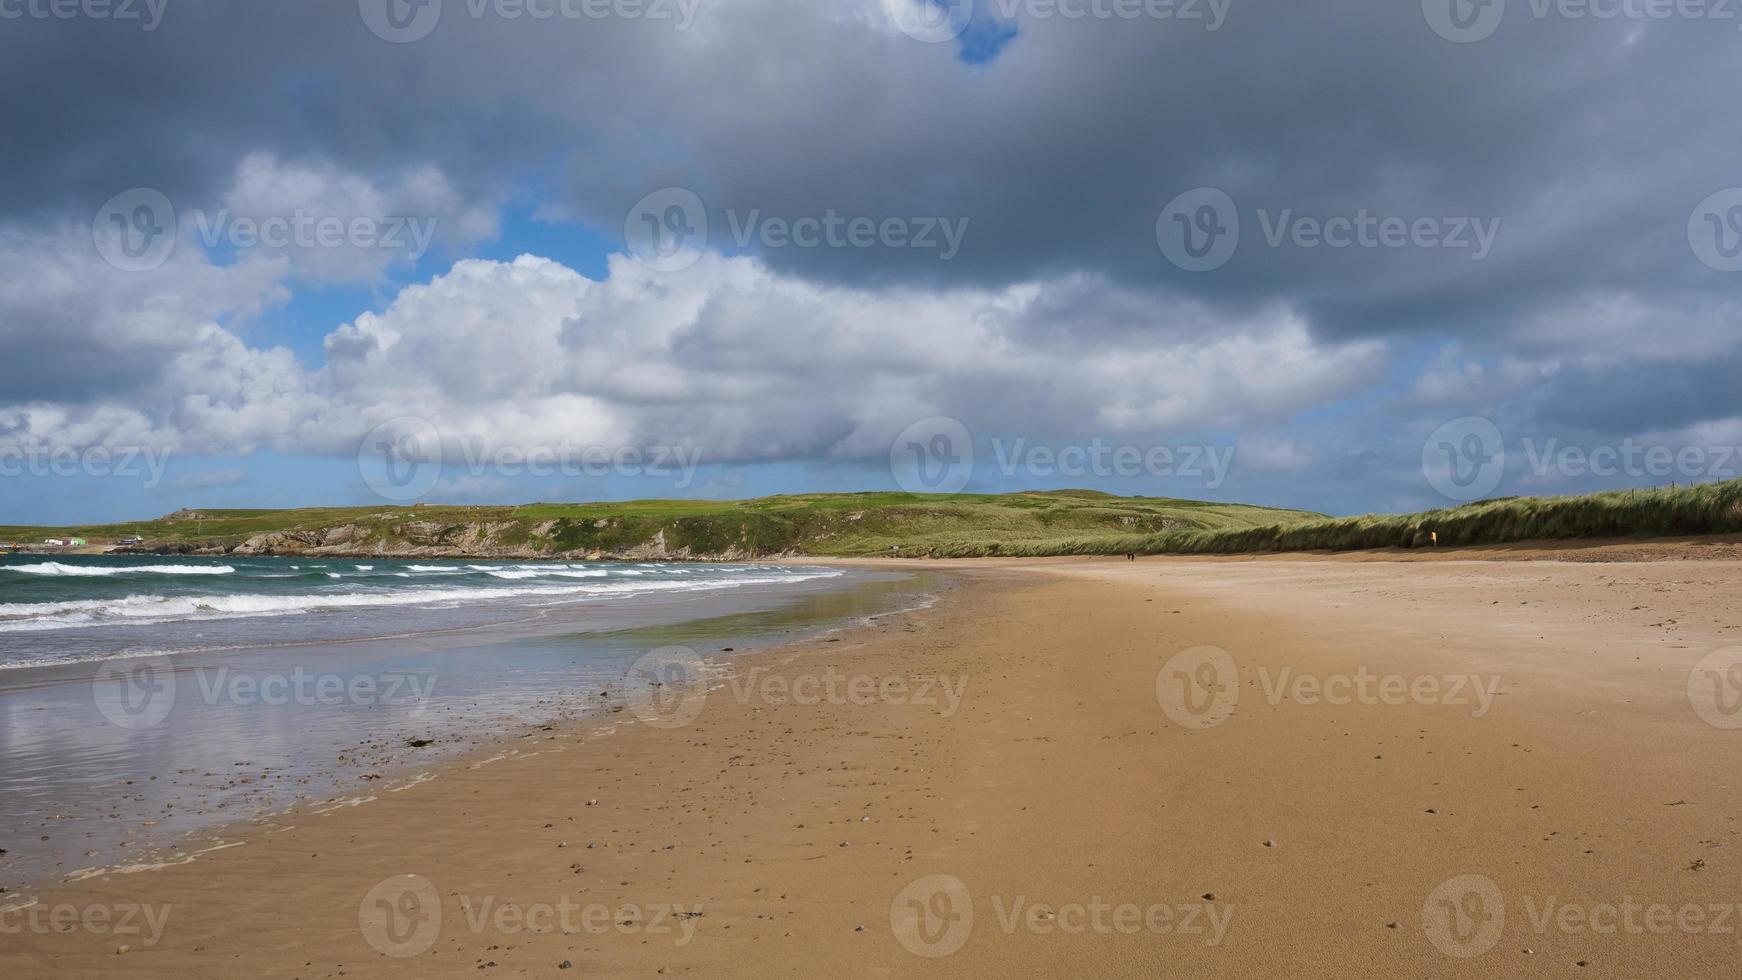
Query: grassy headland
{"x": 945, "y": 526}
{"x": 853, "y": 524}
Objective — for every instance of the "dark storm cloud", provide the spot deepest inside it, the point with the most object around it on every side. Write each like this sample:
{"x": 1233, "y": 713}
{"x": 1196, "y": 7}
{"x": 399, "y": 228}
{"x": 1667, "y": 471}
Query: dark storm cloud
{"x": 1589, "y": 141}
{"x": 1558, "y": 159}
{"x": 1642, "y": 396}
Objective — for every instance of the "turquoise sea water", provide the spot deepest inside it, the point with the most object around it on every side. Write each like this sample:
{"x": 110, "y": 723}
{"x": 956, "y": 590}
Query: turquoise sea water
{"x": 68, "y": 609}
{"x": 145, "y": 702}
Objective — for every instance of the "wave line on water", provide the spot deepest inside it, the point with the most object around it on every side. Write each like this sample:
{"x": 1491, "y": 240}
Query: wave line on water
{"x": 144, "y": 610}
{"x": 105, "y": 571}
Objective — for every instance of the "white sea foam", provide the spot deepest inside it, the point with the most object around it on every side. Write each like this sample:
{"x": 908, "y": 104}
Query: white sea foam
{"x": 549, "y": 571}
{"x": 151, "y": 609}
{"x": 103, "y": 571}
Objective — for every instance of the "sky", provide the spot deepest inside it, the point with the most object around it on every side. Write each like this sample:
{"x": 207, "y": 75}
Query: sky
{"x": 1364, "y": 255}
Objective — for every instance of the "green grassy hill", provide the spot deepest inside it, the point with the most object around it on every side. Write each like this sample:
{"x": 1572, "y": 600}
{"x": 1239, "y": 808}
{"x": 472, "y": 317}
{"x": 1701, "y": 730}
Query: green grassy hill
{"x": 945, "y": 526}
{"x": 1675, "y": 511}
{"x": 816, "y": 524}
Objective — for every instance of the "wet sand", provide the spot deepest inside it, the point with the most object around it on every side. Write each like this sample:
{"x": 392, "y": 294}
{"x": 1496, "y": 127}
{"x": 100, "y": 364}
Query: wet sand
{"x": 1298, "y": 767}
{"x": 101, "y": 771}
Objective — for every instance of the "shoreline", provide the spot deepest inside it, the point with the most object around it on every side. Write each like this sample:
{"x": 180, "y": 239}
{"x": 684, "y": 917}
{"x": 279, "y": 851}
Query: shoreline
{"x": 770, "y": 835}
{"x": 229, "y": 757}
{"x": 1659, "y": 548}
{"x": 1725, "y": 546}
{"x": 488, "y": 746}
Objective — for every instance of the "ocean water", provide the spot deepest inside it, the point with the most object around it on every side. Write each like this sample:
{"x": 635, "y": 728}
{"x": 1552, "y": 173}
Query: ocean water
{"x": 146, "y": 703}
{"x": 81, "y": 608}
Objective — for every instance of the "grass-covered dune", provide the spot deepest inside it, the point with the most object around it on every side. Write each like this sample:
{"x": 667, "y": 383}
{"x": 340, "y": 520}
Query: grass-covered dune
{"x": 944, "y": 526}
{"x": 815, "y": 524}
{"x": 1708, "y": 508}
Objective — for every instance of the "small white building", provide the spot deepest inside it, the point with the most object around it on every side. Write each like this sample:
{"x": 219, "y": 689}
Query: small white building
{"x": 54, "y": 542}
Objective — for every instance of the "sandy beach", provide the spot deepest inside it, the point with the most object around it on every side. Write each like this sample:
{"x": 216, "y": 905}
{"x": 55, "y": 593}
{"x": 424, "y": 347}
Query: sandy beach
{"x": 1233, "y": 768}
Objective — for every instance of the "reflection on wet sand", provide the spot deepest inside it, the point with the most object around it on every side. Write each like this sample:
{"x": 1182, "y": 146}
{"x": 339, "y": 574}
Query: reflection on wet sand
{"x": 118, "y": 763}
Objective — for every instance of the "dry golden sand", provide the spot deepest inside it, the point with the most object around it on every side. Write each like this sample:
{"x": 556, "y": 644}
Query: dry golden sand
{"x": 1060, "y": 782}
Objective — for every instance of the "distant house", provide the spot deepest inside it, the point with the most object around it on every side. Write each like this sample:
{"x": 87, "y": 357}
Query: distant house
{"x": 76, "y": 542}
{"x": 54, "y": 542}
{"x": 131, "y": 541}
